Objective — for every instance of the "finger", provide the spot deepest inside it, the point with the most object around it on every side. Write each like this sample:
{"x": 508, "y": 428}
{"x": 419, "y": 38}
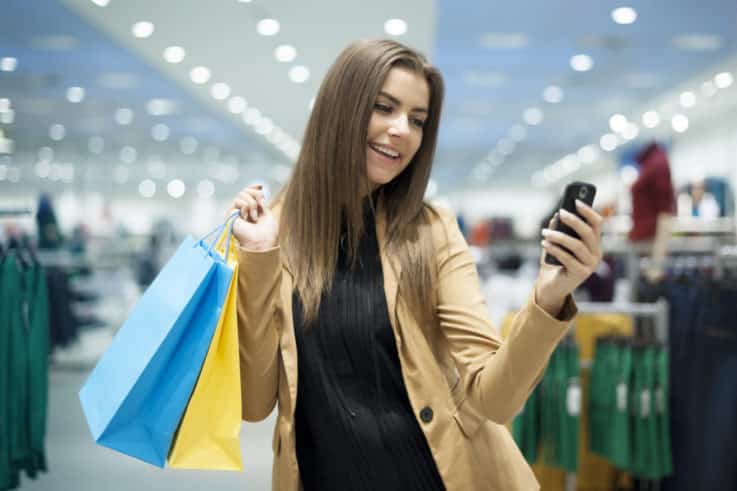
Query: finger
{"x": 591, "y": 216}
{"x": 566, "y": 259}
{"x": 583, "y": 229}
{"x": 248, "y": 206}
{"x": 576, "y": 246}
{"x": 256, "y": 196}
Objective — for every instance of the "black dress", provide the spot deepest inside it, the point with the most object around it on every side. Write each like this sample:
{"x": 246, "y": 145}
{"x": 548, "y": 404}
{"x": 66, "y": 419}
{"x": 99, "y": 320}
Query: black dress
{"x": 355, "y": 427}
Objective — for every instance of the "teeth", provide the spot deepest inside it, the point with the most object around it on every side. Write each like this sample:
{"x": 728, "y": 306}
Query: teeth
{"x": 385, "y": 151}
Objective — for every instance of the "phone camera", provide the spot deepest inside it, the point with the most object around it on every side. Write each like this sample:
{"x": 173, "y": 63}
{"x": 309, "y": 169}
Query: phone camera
{"x": 583, "y": 192}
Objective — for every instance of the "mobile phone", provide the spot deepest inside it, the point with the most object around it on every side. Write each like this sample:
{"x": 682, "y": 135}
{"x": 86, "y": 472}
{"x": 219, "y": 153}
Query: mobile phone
{"x": 577, "y": 190}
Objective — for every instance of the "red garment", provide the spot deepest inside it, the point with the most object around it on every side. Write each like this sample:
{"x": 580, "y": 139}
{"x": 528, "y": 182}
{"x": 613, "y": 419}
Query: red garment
{"x": 652, "y": 192}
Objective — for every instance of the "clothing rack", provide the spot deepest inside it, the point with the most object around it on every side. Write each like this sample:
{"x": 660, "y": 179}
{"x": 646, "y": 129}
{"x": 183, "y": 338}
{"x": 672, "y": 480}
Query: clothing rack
{"x": 14, "y": 212}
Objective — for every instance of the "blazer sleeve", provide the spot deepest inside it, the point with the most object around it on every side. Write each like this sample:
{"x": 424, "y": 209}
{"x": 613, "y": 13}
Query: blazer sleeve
{"x": 259, "y": 313}
{"x": 498, "y": 376}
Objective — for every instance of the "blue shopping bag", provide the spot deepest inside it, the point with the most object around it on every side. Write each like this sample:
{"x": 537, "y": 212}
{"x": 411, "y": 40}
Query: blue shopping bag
{"x": 136, "y": 394}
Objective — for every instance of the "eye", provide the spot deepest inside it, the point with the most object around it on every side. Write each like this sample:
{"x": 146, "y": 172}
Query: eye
{"x": 382, "y": 108}
{"x": 420, "y": 123}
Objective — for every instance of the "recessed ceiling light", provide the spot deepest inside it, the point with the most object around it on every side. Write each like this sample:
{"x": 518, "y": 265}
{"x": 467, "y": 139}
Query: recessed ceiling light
{"x": 101, "y": 3}
{"x": 608, "y": 142}
{"x": 687, "y": 99}
{"x": 264, "y": 126}
{"x": 220, "y": 91}
{"x": 45, "y": 154}
{"x": 142, "y": 29}
{"x": 205, "y": 188}
{"x": 651, "y": 119}
{"x": 174, "y": 54}
{"x": 188, "y": 145}
{"x": 631, "y": 131}
{"x": 161, "y": 107}
{"x": 124, "y": 116}
{"x": 147, "y": 188}
{"x": 57, "y": 132}
{"x": 8, "y": 64}
{"x": 176, "y": 188}
{"x": 160, "y": 132}
{"x": 618, "y": 123}
{"x": 96, "y": 144}
{"x": 4, "y": 104}
{"x": 533, "y": 116}
{"x": 7, "y": 117}
{"x": 237, "y": 104}
{"x": 582, "y": 63}
{"x": 624, "y": 15}
{"x": 708, "y": 89}
{"x": 395, "y": 27}
{"x": 679, "y": 122}
{"x": 244, "y": 1}
{"x": 75, "y": 94}
{"x": 251, "y": 116}
{"x": 553, "y": 94}
{"x": 587, "y": 154}
{"x": 299, "y": 74}
{"x": 723, "y": 80}
{"x": 285, "y": 53}
{"x": 268, "y": 27}
{"x": 504, "y": 40}
{"x": 200, "y": 75}
{"x": 128, "y": 154}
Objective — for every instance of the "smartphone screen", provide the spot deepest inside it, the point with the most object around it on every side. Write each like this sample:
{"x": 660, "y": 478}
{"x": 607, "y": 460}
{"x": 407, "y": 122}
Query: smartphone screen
{"x": 582, "y": 191}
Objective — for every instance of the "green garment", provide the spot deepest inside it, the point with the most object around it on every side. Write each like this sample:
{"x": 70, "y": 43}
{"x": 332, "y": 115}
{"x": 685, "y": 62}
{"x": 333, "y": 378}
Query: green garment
{"x": 619, "y": 434}
{"x": 526, "y": 427}
{"x": 38, "y": 369}
{"x": 570, "y": 408}
{"x": 662, "y": 414}
{"x": 598, "y": 410}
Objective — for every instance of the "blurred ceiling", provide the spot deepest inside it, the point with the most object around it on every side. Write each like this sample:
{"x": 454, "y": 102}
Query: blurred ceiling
{"x": 497, "y": 58}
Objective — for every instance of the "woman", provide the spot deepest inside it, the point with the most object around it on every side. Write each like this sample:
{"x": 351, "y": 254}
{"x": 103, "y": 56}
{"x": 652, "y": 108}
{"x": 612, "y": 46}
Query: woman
{"x": 360, "y": 309}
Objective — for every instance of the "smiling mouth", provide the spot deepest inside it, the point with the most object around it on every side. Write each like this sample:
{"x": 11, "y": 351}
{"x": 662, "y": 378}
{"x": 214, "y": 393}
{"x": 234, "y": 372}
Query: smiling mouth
{"x": 384, "y": 152}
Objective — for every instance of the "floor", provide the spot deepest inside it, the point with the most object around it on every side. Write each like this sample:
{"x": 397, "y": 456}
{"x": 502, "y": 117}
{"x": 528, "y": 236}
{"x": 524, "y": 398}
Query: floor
{"x": 77, "y": 463}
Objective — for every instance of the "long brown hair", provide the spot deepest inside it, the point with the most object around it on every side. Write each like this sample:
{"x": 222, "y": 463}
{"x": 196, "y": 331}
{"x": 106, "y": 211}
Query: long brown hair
{"x": 329, "y": 180}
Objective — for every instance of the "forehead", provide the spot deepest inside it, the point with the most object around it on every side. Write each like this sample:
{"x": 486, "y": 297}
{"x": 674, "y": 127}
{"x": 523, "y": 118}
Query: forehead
{"x": 408, "y": 86}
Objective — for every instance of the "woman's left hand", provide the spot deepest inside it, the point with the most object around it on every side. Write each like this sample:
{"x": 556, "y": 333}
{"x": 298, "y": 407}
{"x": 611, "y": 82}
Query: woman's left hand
{"x": 555, "y": 283}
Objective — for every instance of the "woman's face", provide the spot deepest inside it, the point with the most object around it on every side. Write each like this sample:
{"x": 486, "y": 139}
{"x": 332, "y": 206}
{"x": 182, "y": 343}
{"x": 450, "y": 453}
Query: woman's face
{"x": 395, "y": 128}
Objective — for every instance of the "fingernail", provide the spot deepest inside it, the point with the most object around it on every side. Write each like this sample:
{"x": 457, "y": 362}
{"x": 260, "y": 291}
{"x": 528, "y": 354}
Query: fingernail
{"x": 580, "y": 203}
{"x": 565, "y": 213}
{"x": 544, "y": 243}
{"x": 254, "y": 215}
{"x": 546, "y": 232}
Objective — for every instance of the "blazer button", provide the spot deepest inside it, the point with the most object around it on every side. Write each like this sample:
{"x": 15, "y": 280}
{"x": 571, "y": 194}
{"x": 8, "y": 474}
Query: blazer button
{"x": 426, "y": 414}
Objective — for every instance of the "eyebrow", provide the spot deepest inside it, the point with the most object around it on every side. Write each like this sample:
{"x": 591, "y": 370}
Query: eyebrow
{"x": 398, "y": 103}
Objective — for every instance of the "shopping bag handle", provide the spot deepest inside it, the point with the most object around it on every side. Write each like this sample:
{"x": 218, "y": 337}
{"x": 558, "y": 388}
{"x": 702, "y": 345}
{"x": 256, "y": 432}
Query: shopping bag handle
{"x": 218, "y": 231}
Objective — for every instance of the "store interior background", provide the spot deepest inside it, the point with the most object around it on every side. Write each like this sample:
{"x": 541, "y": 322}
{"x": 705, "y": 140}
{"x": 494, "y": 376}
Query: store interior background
{"x": 131, "y": 138}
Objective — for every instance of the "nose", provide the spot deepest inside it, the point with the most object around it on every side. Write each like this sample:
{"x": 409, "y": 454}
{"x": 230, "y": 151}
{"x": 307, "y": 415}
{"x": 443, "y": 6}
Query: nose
{"x": 399, "y": 126}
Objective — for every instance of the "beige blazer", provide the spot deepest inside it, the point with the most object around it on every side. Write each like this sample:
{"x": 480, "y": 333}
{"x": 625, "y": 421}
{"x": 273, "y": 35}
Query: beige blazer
{"x": 463, "y": 382}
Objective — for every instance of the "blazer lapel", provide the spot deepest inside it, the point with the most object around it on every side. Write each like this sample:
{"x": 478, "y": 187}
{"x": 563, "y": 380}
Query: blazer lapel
{"x": 391, "y": 267}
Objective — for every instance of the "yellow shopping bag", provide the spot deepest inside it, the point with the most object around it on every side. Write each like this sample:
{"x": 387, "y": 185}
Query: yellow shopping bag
{"x": 208, "y": 436}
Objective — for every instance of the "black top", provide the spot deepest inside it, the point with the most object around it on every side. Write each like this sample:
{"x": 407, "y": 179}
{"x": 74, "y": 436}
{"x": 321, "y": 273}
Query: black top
{"x": 354, "y": 423}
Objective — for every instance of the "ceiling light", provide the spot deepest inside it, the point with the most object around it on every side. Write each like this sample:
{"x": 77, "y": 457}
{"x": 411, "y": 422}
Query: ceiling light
{"x": 267, "y": 27}
{"x": 7, "y": 117}
{"x": 188, "y": 145}
{"x": 174, "y": 54}
{"x": 624, "y": 15}
{"x": 205, "y": 188}
{"x": 156, "y": 167}
{"x": 285, "y": 53}
{"x": 723, "y": 80}
{"x": 651, "y": 119}
{"x": 96, "y": 144}
{"x": 160, "y": 132}
{"x": 142, "y": 29}
{"x": 220, "y": 91}
{"x": 608, "y": 142}
{"x": 679, "y": 123}
{"x": 176, "y": 188}
{"x": 57, "y": 132}
{"x": 251, "y": 116}
{"x": 200, "y": 74}
{"x": 147, "y": 188}
{"x": 582, "y": 63}
{"x": 688, "y": 99}
{"x": 588, "y": 154}
{"x": 128, "y": 155}
{"x": 43, "y": 169}
{"x": 244, "y": 1}
{"x": 8, "y": 64}
{"x": 161, "y": 107}
{"x": 533, "y": 116}
{"x": 395, "y": 27}
{"x": 101, "y": 3}
{"x": 618, "y": 123}
{"x": 4, "y": 104}
{"x": 553, "y": 94}
{"x": 124, "y": 116}
{"x": 237, "y": 104}
{"x": 264, "y": 126}
{"x": 631, "y": 131}
{"x": 628, "y": 174}
{"x": 75, "y": 94}
{"x": 45, "y": 154}
{"x": 708, "y": 89}
{"x": 299, "y": 74}
{"x": 518, "y": 133}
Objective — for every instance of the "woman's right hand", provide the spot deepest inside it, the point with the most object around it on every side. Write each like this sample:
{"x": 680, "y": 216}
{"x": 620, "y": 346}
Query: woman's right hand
{"x": 256, "y": 228}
